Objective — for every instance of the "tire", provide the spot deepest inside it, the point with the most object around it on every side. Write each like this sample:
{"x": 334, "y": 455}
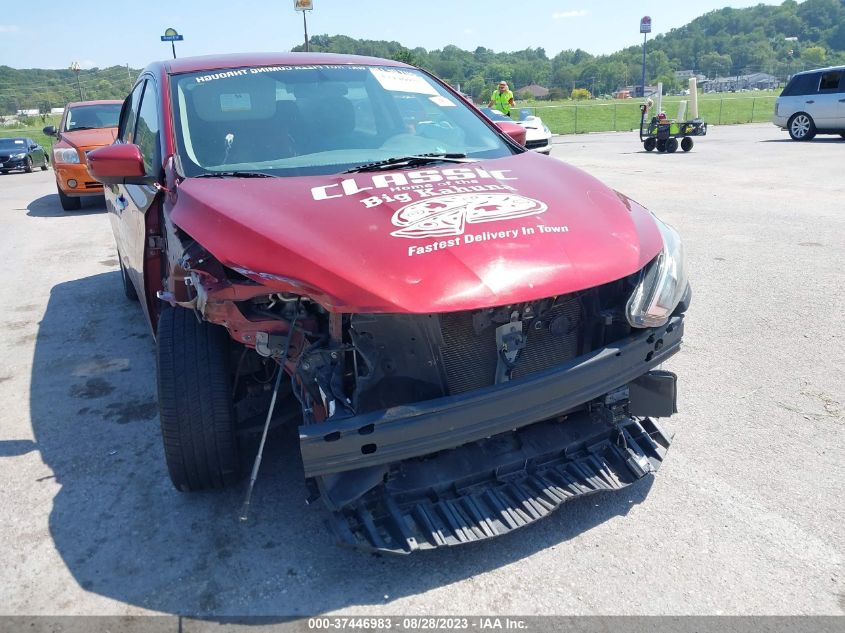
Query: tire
{"x": 128, "y": 287}
{"x": 46, "y": 163}
{"x": 28, "y": 165}
{"x": 649, "y": 144}
{"x": 195, "y": 402}
{"x": 68, "y": 203}
{"x": 672, "y": 145}
{"x": 686, "y": 143}
{"x": 661, "y": 145}
{"x": 801, "y": 127}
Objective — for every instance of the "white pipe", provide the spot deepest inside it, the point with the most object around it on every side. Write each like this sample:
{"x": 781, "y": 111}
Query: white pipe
{"x": 659, "y": 97}
{"x": 693, "y": 98}
{"x": 682, "y": 110}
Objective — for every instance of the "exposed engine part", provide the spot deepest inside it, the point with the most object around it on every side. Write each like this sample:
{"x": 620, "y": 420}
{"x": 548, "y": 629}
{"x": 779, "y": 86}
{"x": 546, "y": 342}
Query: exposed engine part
{"x": 257, "y": 464}
{"x": 509, "y": 341}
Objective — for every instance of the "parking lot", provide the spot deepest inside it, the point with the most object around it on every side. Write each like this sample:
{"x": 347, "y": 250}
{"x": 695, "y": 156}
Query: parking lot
{"x": 745, "y": 517}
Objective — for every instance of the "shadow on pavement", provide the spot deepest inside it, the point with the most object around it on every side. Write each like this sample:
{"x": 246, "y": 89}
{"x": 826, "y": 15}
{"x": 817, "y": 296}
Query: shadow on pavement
{"x": 126, "y": 534}
{"x": 50, "y": 207}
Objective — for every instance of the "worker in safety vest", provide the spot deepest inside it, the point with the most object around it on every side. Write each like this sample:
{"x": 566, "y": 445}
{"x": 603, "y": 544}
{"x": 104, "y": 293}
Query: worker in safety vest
{"x": 502, "y": 99}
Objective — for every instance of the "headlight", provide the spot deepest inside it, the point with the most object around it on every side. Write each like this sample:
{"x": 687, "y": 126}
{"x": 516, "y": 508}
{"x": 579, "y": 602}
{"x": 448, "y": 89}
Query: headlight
{"x": 21, "y": 155}
{"x": 66, "y": 155}
{"x": 662, "y": 284}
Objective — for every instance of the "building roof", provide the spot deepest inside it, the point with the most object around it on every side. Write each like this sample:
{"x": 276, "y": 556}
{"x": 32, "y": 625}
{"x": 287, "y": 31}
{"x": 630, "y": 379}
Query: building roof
{"x": 535, "y": 90}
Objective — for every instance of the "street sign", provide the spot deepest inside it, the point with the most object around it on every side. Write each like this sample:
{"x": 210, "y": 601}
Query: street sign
{"x": 170, "y": 35}
{"x": 303, "y": 5}
{"x": 645, "y": 24}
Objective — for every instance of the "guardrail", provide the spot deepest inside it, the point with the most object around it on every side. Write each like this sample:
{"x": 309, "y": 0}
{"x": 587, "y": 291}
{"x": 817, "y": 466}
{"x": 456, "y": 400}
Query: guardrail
{"x": 625, "y": 115}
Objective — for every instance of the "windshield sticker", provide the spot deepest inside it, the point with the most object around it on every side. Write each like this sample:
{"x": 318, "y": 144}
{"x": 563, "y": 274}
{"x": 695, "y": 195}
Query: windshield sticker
{"x": 240, "y": 72}
{"x": 397, "y": 80}
{"x": 447, "y": 216}
{"x": 239, "y": 102}
{"x": 443, "y": 102}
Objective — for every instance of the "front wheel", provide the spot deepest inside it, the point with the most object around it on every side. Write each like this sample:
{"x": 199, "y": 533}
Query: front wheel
{"x": 68, "y": 203}
{"x": 649, "y": 144}
{"x": 801, "y": 127}
{"x": 686, "y": 143}
{"x": 195, "y": 401}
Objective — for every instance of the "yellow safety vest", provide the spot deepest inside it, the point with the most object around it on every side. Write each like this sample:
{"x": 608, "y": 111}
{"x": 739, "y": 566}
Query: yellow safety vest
{"x": 500, "y": 101}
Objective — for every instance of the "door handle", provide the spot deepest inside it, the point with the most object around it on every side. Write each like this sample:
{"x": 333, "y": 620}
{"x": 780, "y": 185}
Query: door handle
{"x": 120, "y": 203}
{"x": 810, "y": 101}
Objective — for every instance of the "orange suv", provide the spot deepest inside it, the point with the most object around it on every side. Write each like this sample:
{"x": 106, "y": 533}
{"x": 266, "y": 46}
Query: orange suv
{"x": 85, "y": 126}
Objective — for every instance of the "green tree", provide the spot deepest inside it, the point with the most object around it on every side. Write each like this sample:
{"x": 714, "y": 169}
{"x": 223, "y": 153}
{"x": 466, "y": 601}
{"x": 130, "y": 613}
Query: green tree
{"x": 814, "y": 55}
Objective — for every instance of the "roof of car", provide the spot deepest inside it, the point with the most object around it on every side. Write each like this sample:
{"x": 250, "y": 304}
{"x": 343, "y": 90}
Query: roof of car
{"x": 74, "y": 104}
{"x": 239, "y": 60}
{"x": 817, "y": 70}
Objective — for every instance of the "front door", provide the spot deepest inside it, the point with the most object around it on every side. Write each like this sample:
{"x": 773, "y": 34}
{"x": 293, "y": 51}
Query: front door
{"x": 129, "y": 204}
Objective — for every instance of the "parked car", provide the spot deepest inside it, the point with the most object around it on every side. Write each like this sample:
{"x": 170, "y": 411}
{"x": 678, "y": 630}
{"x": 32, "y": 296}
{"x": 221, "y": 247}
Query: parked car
{"x": 21, "y": 153}
{"x": 85, "y": 126}
{"x": 467, "y": 334}
{"x": 537, "y": 136}
{"x": 813, "y": 102}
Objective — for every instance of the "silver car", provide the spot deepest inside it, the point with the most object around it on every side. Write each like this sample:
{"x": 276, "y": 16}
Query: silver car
{"x": 813, "y": 102}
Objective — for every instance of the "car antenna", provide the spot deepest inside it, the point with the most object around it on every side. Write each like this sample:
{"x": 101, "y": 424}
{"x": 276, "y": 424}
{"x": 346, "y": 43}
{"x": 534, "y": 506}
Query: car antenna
{"x": 244, "y": 515}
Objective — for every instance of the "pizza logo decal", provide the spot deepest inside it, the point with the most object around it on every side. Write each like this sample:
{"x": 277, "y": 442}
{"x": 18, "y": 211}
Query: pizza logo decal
{"x": 448, "y": 215}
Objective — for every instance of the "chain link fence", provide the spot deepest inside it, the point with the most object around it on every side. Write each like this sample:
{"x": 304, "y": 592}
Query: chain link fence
{"x": 625, "y": 115}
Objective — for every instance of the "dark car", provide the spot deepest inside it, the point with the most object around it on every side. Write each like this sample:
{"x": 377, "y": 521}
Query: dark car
{"x": 467, "y": 333}
{"x": 21, "y": 153}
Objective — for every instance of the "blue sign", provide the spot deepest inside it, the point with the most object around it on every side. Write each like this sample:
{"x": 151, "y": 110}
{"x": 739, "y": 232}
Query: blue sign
{"x": 172, "y": 38}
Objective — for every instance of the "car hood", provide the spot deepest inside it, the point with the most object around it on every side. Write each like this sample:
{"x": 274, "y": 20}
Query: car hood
{"x": 436, "y": 239}
{"x": 81, "y": 139}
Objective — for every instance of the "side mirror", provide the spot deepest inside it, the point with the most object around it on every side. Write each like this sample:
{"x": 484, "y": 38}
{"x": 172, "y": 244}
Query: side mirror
{"x": 516, "y": 132}
{"x": 50, "y": 130}
{"x": 118, "y": 165}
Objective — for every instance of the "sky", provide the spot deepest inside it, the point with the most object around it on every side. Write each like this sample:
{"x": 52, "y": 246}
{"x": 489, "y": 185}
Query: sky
{"x": 107, "y": 33}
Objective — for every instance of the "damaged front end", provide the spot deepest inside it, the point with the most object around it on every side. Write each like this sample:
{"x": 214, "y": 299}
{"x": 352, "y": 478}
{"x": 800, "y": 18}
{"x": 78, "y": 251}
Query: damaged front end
{"x": 425, "y": 430}
{"x": 442, "y": 429}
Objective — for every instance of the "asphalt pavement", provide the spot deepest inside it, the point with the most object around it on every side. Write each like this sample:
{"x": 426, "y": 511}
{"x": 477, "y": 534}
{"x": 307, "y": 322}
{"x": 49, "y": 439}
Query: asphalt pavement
{"x": 745, "y": 517}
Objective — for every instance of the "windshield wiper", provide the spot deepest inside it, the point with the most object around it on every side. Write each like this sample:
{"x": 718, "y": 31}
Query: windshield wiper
{"x": 410, "y": 161}
{"x": 235, "y": 174}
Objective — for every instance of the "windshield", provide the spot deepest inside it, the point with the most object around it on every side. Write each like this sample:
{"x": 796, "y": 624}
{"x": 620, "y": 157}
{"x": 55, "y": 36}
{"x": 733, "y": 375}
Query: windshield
{"x": 308, "y": 120}
{"x": 92, "y": 116}
{"x": 13, "y": 143}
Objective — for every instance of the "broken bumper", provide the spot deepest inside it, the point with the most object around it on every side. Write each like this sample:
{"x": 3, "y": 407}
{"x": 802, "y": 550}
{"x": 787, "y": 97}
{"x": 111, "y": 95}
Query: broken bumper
{"x": 400, "y": 433}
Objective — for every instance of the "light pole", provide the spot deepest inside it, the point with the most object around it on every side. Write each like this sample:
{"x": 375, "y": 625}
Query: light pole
{"x": 645, "y": 29}
{"x": 304, "y": 5}
{"x": 75, "y": 68}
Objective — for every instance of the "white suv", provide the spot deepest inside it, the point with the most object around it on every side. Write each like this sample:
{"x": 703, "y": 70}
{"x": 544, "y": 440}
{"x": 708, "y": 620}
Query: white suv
{"x": 813, "y": 102}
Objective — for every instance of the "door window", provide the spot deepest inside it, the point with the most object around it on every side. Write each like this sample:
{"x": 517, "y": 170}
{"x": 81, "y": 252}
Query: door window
{"x": 830, "y": 81}
{"x": 147, "y": 130}
{"x": 126, "y": 131}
